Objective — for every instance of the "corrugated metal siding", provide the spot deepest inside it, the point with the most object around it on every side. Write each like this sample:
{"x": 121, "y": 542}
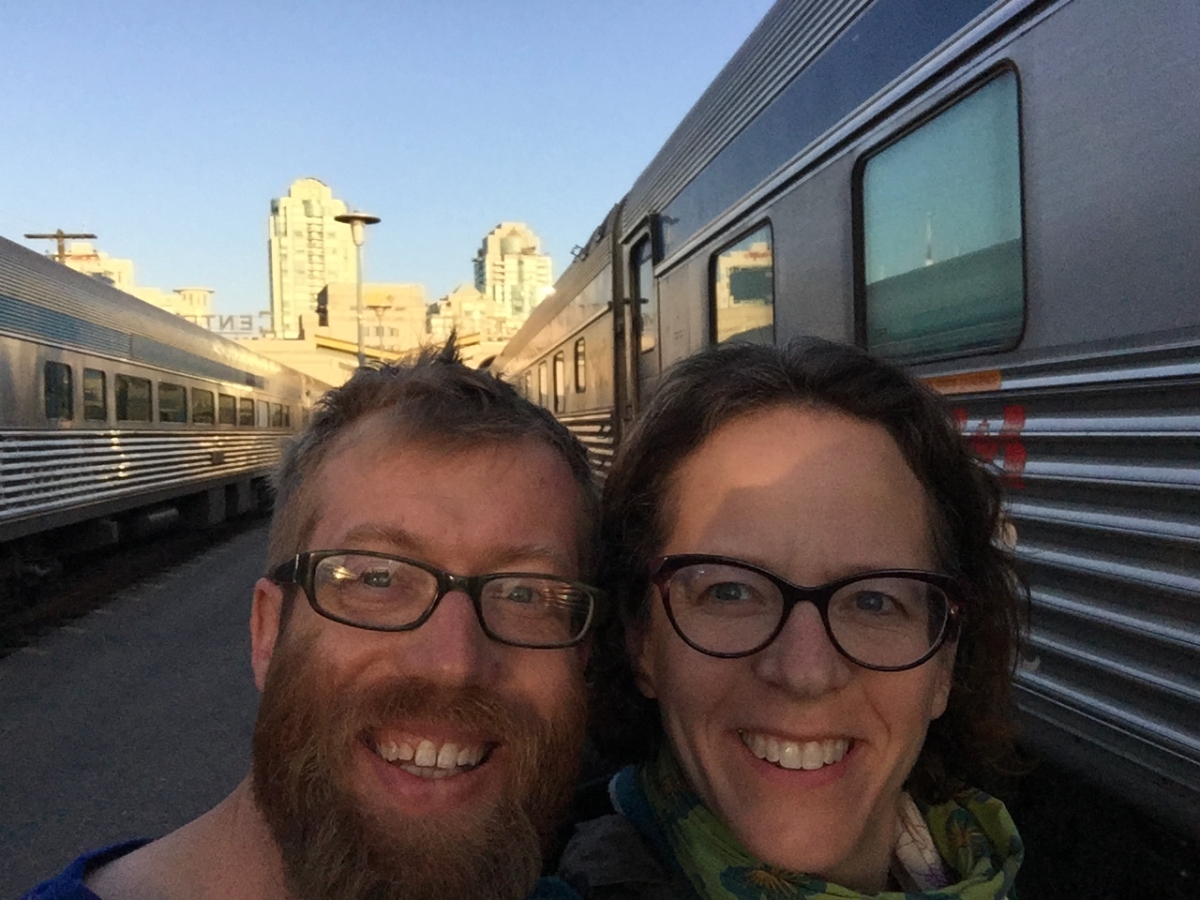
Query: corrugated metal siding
{"x": 1102, "y": 459}
{"x": 595, "y": 431}
{"x": 785, "y": 41}
{"x": 45, "y": 472}
{"x": 65, "y": 294}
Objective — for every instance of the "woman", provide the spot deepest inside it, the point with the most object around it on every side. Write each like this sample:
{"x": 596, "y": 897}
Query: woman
{"x": 813, "y": 654}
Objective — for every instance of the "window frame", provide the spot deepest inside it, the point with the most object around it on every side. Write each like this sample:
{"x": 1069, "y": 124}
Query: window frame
{"x": 103, "y": 395}
{"x": 559, "y": 380}
{"x": 130, "y": 380}
{"x": 197, "y": 412}
{"x": 68, "y": 394}
{"x": 762, "y": 223}
{"x": 916, "y": 120}
{"x": 580, "y": 365}
{"x": 172, "y": 387}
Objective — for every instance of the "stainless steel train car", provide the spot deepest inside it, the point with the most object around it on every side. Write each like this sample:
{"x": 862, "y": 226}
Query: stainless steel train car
{"x": 109, "y": 405}
{"x": 1003, "y": 195}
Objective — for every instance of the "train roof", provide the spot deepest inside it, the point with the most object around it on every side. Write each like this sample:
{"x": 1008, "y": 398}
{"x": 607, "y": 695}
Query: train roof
{"x": 46, "y": 300}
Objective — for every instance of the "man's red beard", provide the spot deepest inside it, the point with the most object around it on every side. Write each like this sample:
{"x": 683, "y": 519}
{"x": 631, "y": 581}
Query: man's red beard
{"x": 337, "y": 845}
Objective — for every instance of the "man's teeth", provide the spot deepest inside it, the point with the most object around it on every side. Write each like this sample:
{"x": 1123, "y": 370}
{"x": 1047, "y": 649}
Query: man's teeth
{"x": 793, "y": 754}
{"x": 429, "y": 760}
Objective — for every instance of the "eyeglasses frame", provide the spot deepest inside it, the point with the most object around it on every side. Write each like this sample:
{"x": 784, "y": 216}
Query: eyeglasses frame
{"x": 663, "y": 568}
{"x": 300, "y": 569}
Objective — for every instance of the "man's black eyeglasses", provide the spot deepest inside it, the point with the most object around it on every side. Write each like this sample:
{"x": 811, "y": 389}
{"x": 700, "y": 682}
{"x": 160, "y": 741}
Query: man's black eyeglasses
{"x": 381, "y": 592}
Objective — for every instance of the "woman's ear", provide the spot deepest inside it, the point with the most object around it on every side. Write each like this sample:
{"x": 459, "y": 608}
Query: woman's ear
{"x": 940, "y": 695}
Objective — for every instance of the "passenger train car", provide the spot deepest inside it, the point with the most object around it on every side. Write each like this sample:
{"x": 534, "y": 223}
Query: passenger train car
{"x": 1003, "y": 195}
{"x": 110, "y": 405}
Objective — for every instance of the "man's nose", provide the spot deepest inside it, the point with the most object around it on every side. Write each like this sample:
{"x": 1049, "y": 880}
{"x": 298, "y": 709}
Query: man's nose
{"x": 802, "y": 660}
{"x": 451, "y": 646}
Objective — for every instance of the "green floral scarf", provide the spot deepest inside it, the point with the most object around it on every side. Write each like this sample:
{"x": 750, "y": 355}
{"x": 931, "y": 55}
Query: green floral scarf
{"x": 976, "y": 841}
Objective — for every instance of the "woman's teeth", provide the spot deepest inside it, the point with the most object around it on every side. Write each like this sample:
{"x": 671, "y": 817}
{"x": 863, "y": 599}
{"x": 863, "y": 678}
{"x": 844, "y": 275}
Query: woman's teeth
{"x": 429, "y": 760}
{"x": 793, "y": 754}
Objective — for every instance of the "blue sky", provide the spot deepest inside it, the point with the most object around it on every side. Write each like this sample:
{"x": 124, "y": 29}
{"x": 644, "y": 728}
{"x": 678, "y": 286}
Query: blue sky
{"x": 166, "y": 128}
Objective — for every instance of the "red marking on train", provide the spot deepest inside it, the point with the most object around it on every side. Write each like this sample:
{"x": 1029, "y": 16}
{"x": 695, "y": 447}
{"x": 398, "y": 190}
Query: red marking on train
{"x": 1004, "y": 448}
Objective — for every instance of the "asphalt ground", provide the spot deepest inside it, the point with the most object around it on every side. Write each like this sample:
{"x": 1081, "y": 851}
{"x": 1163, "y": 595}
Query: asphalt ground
{"x": 135, "y": 717}
{"x": 130, "y": 720}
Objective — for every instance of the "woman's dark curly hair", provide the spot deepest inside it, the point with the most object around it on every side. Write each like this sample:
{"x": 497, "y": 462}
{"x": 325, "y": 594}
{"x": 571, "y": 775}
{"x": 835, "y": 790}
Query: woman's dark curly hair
{"x": 974, "y": 740}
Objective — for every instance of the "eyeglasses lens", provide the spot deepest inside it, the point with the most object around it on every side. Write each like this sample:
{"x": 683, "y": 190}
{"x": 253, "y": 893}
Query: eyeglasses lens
{"x": 373, "y": 591}
{"x": 879, "y": 621}
{"x": 535, "y": 611}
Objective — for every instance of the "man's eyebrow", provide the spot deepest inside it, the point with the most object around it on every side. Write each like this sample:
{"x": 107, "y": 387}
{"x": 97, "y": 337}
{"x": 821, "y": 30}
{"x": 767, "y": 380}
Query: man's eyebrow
{"x": 503, "y": 557}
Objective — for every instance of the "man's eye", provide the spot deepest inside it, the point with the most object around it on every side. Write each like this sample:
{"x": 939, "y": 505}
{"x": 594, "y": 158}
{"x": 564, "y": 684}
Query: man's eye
{"x": 520, "y": 593}
{"x": 377, "y": 578}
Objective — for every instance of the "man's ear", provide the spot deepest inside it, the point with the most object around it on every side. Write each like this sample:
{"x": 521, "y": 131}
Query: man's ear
{"x": 265, "y": 612}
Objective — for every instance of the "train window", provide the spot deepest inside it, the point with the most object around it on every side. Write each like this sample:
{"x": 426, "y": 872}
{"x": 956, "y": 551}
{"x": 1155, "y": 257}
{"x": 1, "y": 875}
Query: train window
{"x": 172, "y": 402}
{"x": 262, "y": 417}
{"x": 202, "y": 407}
{"x": 580, "y": 366}
{"x": 133, "y": 399}
{"x": 246, "y": 411}
{"x": 226, "y": 409}
{"x": 560, "y": 382}
{"x": 942, "y": 262}
{"x": 276, "y": 415}
{"x": 528, "y": 385}
{"x": 646, "y": 294}
{"x": 95, "y": 397}
{"x": 60, "y": 396}
{"x": 743, "y": 289}
{"x": 287, "y": 416}
{"x": 543, "y": 385}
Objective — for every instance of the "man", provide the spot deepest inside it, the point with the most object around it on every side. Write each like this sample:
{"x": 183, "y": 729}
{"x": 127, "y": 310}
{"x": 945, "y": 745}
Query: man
{"x": 421, "y": 717}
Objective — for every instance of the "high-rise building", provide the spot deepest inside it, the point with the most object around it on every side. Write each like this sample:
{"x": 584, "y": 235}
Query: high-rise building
{"x": 512, "y": 273}
{"x": 308, "y": 250}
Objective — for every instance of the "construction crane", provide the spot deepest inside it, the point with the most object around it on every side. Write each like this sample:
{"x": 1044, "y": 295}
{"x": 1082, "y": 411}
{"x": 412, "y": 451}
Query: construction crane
{"x": 62, "y": 237}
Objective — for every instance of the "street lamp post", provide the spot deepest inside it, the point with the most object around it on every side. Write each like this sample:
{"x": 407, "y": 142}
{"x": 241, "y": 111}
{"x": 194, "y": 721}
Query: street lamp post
{"x": 358, "y": 222}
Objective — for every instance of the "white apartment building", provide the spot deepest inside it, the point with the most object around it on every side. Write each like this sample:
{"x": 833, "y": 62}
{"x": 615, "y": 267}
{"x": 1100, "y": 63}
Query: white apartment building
{"x": 512, "y": 273}
{"x": 307, "y": 250}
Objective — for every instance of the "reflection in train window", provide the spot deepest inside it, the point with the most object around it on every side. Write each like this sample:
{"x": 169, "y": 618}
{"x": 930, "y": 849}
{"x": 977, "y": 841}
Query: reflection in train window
{"x": 743, "y": 290}
{"x": 942, "y": 260}
{"x": 276, "y": 415}
{"x": 560, "y": 382}
{"x": 580, "y": 366}
{"x": 202, "y": 407}
{"x": 226, "y": 409}
{"x": 543, "y": 385}
{"x": 172, "y": 402}
{"x": 95, "y": 397}
{"x": 246, "y": 411}
{"x": 59, "y": 392}
{"x": 133, "y": 399}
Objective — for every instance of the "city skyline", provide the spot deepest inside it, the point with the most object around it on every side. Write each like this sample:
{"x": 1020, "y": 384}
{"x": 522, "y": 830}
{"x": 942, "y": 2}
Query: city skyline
{"x": 166, "y": 131}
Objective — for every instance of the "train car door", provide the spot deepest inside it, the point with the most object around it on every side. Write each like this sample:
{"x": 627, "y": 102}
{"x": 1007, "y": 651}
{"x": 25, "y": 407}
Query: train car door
{"x": 644, "y": 346}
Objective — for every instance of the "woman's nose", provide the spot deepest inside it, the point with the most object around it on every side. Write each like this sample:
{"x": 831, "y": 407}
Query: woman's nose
{"x": 801, "y": 660}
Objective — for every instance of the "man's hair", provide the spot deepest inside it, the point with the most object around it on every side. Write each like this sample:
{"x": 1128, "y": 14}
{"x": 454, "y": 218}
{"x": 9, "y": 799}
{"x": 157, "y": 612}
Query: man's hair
{"x": 974, "y": 739}
{"x": 433, "y": 397}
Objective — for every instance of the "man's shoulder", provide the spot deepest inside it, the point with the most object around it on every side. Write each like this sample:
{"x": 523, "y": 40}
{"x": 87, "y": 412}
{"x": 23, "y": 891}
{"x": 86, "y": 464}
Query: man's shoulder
{"x": 68, "y": 884}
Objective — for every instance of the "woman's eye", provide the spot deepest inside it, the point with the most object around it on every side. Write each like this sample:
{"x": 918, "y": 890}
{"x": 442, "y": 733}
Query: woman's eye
{"x": 730, "y": 592}
{"x": 874, "y": 602}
